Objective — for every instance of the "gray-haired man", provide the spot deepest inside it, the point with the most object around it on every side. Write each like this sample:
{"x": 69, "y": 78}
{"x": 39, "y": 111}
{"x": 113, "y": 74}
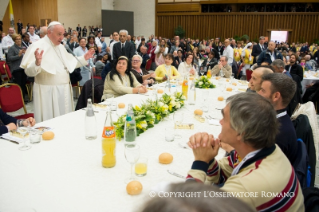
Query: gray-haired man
{"x": 123, "y": 48}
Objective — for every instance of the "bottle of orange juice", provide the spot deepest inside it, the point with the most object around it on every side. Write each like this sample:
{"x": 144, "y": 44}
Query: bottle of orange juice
{"x": 108, "y": 143}
{"x": 209, "y": 72}
{"x": 185, "y": 86}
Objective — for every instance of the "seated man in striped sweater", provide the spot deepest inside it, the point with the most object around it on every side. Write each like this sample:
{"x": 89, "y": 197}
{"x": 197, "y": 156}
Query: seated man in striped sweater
{"x": 262, "y": 176}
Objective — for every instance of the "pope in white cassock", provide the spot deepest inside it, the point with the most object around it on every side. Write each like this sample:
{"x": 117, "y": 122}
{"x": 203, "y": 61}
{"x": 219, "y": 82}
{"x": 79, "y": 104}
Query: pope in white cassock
{"x": 50, "y": 64}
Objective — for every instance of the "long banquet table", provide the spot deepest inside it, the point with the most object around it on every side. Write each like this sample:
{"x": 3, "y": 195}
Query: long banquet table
{"x": 65, "y": 174}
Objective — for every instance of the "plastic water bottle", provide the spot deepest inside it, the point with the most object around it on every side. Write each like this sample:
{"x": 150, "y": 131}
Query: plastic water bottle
{"x": 192, "y": 94}
{"x": 130, "y": 126}
{"x": 90, "y": 122}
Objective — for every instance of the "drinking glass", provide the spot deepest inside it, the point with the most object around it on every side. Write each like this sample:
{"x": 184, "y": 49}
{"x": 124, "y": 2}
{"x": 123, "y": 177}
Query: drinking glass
{"x": 232, "y": 76}
{"x": 109, "y": 99}
{"x": 113, "y": 106}
{"x": 23, "y": 127}
{"x": 205, "y": 94}
{"x": 178, "y": 120}
{"x": 132, "y": 154}
{"x": 34, "y": 136}
{"x": 202, "y": 71}
{"x": 141, "y": 167}
{"x": 169, "y": 134}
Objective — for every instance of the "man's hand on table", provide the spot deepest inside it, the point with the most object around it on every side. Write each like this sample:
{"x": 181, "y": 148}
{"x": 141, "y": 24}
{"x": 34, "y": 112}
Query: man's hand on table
{"x": 205, "y": 147}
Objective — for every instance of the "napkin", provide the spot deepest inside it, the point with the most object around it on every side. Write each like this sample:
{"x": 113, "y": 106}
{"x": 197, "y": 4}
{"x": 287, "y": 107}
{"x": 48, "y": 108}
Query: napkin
{"x": 8, "y": 136}
{"x": 214, "y": 122}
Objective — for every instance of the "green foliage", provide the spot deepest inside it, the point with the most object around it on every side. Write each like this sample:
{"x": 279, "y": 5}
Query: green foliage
{"x": 179, "y": 31}
{"x": 245, "y": 38}
{"x": 203, "y": 82}
{"x": 151, "y": 113}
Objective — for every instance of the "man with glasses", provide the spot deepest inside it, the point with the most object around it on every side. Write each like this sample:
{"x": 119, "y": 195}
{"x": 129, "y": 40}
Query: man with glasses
{"x": 140, "y": 73}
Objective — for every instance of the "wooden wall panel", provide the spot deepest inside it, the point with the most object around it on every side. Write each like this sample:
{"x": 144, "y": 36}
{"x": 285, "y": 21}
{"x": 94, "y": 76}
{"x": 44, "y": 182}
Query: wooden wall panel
{"x": 31, "y": 11}
{"x": 303, "y": 26}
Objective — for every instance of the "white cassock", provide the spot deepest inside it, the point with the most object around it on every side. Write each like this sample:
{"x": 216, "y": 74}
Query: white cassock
{"x": 52, "y": 91}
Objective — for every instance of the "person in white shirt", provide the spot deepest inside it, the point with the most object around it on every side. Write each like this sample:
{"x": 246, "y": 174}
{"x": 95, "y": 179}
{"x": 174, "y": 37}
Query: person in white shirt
{"x": 116, "y": 39}
{"x": 33, "y": 37}
{"x": 7, "y": 41}
{"x": 98, "y": 39}
{"x": 187, "y": 68}
{"x": 228, "y": 52}
{"x": 137, "y": 42}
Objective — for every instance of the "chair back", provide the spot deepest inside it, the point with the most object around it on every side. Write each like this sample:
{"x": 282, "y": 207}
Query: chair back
{"x": 11, "y": 98}
{"x": 301, "y": 165}
{"x": 248, "y": 74}
{"x": 5, "y": 70}
{"x": 148, "y": 65}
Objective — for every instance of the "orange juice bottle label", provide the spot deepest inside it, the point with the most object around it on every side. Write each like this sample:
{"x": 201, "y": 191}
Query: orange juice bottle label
{"x": 185, "y": 83}
{"x": 108, "y": 132}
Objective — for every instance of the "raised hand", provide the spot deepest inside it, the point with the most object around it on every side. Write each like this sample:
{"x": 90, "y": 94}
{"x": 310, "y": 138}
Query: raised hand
{"x": 38, "y": 57}
{"x": 89, "y": 54}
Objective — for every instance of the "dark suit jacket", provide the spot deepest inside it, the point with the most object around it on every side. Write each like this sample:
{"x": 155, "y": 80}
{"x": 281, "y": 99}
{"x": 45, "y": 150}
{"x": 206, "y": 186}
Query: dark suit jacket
{"x": 5, "y": 119}
{"x": 129, "y": 51}
{"x": 176, "y": 61}
{"x": 256, "y": 51}
{"x": 211, "y": 63}
{"x": 145, "y": 57}
{"x": 73, "y": 45}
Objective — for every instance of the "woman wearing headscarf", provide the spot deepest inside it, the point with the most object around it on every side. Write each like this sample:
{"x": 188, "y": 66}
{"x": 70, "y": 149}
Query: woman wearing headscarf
{"x": 247, "y": 58}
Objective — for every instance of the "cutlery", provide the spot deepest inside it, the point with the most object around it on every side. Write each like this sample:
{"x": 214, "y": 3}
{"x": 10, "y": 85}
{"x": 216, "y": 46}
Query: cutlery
{"x": 183, "y": 146}
{"x": 175, "y": 174}
{"x": 10, "y": 140}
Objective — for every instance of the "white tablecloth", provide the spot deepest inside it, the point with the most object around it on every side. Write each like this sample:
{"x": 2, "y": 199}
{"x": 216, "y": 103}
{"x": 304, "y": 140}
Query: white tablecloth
{"x": 308, "y": 79}
{"x": 65, "y": 174}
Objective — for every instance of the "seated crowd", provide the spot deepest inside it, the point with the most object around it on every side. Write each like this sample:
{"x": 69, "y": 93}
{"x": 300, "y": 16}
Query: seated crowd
{"x": 257, "y": 132}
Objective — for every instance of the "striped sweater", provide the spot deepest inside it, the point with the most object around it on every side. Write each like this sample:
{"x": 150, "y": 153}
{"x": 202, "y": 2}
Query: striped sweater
{"x": 268, "y": 177}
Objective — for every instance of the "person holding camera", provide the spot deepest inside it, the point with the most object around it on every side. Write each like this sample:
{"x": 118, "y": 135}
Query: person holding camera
{"x": 15, "y": 55}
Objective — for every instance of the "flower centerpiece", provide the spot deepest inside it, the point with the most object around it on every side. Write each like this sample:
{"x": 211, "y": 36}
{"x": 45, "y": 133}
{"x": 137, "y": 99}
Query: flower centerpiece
{"x": 151, "y": 112}
{"x": 203, "y": 82}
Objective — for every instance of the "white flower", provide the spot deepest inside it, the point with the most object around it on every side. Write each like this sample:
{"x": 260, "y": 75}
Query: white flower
{"x": 178, "y": 105}
{"x": 161, "y": 104}
{"x": 200, "y": 83}
{"x": 173, "y": 103}
{"x": 165, "y": 107}
{"x": 172, "y": 98}
{"x": 144, "y": 124}
{"x": 183, "y": 97}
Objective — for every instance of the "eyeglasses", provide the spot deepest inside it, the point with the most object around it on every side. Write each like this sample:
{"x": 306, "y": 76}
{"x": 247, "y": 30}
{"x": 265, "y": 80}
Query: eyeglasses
{"x": 136, "y": 61}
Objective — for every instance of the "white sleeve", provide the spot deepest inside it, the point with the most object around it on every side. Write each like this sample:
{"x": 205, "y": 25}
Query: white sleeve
{"x": 32, "y": 69}
{"x": 166, "y": 51}
{"x": 4, "y": 43}
{"x": 156, "y": 50}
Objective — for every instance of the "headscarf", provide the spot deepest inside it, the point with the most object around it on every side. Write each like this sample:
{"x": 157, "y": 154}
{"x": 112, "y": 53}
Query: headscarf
{"x": 248, "y": 45}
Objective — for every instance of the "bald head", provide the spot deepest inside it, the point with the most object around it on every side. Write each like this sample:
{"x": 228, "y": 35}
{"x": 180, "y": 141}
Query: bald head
{"x": 227, "y": 42}
{"x": 271, "y": 46}
{"x": 55, "y": 33}
{"x": 43, "y": 31}
{"x": 256, "y": 77}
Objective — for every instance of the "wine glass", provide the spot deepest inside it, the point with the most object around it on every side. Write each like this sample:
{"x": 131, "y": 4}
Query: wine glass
{"x": 109, "y": 99}
{"x": 178, "y": 120}
{"x": 132, "y": 154}
{"x": 202, "y": 71}
{"x": 232, "y": 77}
{"x": 23, "y": 127}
